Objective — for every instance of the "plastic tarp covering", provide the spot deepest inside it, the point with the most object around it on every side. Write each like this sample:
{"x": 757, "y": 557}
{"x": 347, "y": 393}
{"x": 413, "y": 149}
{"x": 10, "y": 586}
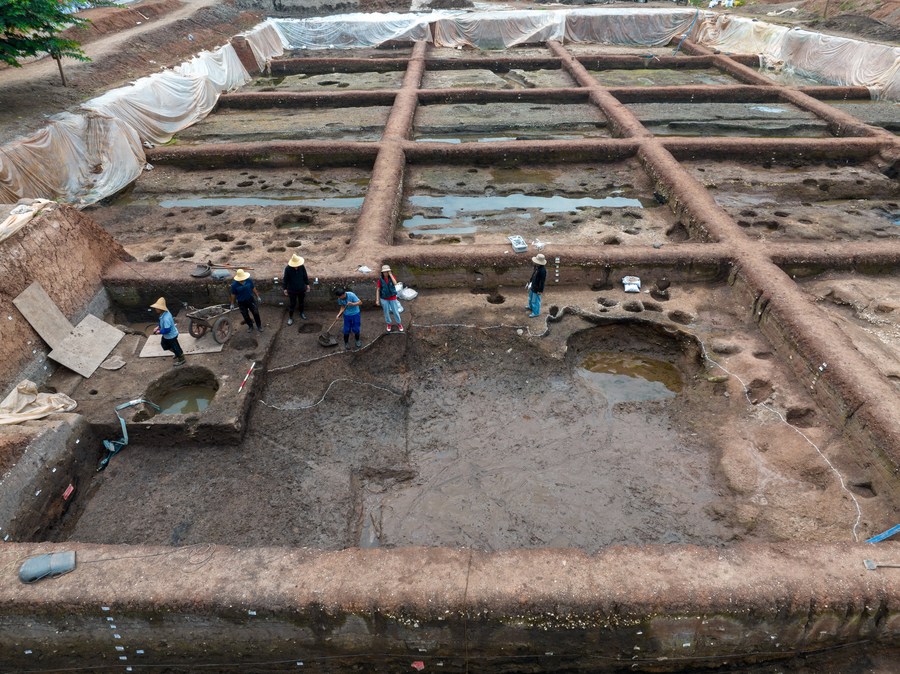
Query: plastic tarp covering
{"x": 628, "y": 27}
{"x": 24, "y": 403}
{"x": 352, "y": 31}
{"x": 161, "y": 105}
{"x": 20, "y": 216}
{"x": 830, "y": 59}
{"x": 75, "y": 158}
{"x": 499, "y": 30}
{"x": 265, "y": 42}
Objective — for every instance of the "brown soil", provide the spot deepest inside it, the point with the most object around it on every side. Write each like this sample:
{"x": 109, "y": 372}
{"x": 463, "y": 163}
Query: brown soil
{"x": 862, "y": 19}
{"x": 119, "y": 55}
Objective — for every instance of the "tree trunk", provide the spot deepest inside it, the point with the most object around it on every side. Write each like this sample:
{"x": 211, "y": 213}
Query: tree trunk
{"x": 62, "y": 75}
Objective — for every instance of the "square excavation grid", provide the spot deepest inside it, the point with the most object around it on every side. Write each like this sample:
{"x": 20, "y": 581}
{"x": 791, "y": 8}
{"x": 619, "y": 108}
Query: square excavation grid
{"x": 761, "y": 219}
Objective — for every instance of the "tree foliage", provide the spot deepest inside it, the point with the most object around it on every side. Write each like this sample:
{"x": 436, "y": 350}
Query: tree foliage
{"x": 32, "y": 27}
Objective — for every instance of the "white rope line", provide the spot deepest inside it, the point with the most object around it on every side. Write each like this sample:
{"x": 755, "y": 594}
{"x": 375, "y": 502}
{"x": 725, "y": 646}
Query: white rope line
{"x": 800, "y": 433}
{"x": 291, "y": 408}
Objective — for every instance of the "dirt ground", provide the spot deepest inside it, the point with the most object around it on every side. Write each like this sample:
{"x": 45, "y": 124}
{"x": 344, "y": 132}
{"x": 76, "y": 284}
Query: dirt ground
{"x": 358, "y": 448}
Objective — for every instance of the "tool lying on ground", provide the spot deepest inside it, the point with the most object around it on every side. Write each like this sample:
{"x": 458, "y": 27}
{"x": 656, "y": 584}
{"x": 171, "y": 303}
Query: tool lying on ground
{"x": 871, "y": 566}
{"x": 204, "y": 270}
{"x": 113, "y": 447}
{"x": 326, "y": 338}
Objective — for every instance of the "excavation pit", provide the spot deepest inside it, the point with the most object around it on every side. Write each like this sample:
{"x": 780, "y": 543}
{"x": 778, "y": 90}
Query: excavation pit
{"x": 364, "y": 454}
{"x": 466, "y": 495}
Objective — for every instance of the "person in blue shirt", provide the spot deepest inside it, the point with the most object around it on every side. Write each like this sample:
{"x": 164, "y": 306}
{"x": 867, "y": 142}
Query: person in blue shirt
{"x": 247, "y": 297}
{"x": 350, "y": 305}
{"x": 167, "y": 329}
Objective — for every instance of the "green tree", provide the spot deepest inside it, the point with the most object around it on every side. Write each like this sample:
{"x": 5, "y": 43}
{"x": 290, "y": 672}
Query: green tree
{"x": 32, "y": 27}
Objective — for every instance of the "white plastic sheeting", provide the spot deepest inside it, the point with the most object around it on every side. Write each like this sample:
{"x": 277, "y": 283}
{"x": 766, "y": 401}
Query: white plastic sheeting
{"x": 352, "y": 31}
{"x": 75, "y": 158}
{"x": 265, "y": 42}
{"x": 499, "y": 30}
{"x": 25, "y": 403}
{"x": 487, "y": 30}
{"x": 829, "y": 59}
{"x": 87, "y": 157}
{"x": 161, "y": 105}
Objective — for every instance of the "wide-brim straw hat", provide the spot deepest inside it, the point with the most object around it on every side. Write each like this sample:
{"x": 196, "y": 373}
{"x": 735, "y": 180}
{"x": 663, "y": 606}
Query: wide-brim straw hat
{"x": 241, "y": 275}
{"x": 296, "y": 261}
{"x": 385, "y": 268}
{"x": 539, "y": 259}
{"x": 160, "y": 304}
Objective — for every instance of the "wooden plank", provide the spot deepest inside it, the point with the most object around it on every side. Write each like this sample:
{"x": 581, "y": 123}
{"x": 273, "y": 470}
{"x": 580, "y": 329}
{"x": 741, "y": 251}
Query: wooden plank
{"x": 43, "y": 315}
{"x": 87, "y": 346}
{"x": 188, "y": 344}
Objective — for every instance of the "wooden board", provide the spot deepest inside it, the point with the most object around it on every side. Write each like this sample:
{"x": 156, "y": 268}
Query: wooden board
{"x": 43, "y": 315}
{"x": 87, "y": 346}
{"x": 188, "y": 344}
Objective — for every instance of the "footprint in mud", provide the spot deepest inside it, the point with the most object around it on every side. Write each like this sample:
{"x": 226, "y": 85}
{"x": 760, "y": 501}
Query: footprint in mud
{"x": 606, "y": 302}
{"x": 215, "y": 211}
{"x": 634, "y": 306}
{"x": 155, "y": 257}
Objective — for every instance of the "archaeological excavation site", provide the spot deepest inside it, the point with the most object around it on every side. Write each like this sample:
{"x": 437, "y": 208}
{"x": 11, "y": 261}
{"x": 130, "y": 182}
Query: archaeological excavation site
{"x": 638, "y": 409}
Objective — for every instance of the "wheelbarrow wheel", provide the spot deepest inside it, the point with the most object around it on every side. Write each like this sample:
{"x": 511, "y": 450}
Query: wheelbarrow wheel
{"x": 197, "y": 330}
{"x": 221, "y": 330}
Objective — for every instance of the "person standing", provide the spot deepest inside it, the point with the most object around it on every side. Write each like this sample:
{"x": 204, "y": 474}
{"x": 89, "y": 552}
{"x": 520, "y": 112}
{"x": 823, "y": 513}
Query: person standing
{"x": 386, "y": 297}
{"x": 350, "y": 305}
{"x": 536, "y": 285}
{"x": 296, "y": 285}
{"x": 244, "y": 292}
{"x": 167, "y": 330}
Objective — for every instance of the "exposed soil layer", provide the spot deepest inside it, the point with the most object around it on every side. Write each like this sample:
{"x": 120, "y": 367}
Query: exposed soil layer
{"x": 600, "y": 204}
{"x": 802, "y": 201}
{"x": 361, "y": 448}
{"x": 236, "y": 216}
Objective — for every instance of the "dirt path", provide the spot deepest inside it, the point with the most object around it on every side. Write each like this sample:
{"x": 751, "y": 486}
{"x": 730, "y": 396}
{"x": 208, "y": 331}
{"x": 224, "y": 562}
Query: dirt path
{"x": 99, "y": 49}
{"x": 34, "y": 92}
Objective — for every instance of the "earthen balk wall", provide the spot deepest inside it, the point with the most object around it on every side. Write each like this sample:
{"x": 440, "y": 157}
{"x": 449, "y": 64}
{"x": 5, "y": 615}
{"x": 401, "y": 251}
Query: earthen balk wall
{"x": 66, "y": 252}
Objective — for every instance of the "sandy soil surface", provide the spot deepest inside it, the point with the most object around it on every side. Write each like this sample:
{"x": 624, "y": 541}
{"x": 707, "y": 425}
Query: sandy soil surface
{"x": 358, "y": 448}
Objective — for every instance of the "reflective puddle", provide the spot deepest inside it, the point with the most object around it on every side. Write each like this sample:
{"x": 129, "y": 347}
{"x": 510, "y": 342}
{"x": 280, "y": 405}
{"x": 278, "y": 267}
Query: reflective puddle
{"x": 630, "y": 377}
{"x": 186, "y": 400}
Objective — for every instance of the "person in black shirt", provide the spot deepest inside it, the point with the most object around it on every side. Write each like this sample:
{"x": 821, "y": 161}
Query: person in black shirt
{"x": 536, "y": 285}
{"x": 296, "y": 285}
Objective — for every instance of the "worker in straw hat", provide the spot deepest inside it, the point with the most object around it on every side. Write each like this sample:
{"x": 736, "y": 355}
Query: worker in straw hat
{"x": 536, "y": 285}
{"x": 296, "y": 285}
{"x": 167, "y": 330}
{"x": 244, "y": 292}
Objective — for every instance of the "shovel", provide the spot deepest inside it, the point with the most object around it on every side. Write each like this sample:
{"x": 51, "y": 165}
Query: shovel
{"x": 326, "y": 338}
{"x": 871, "y": 566}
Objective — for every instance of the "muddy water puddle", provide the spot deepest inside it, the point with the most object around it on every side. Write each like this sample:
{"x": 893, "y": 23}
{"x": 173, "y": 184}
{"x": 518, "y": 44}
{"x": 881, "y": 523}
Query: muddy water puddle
{"x": 464, "y": 214}
{"x": 186, "y": 400}
{"x": 624, "y": 377}
{"x": 598, "y": 203}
